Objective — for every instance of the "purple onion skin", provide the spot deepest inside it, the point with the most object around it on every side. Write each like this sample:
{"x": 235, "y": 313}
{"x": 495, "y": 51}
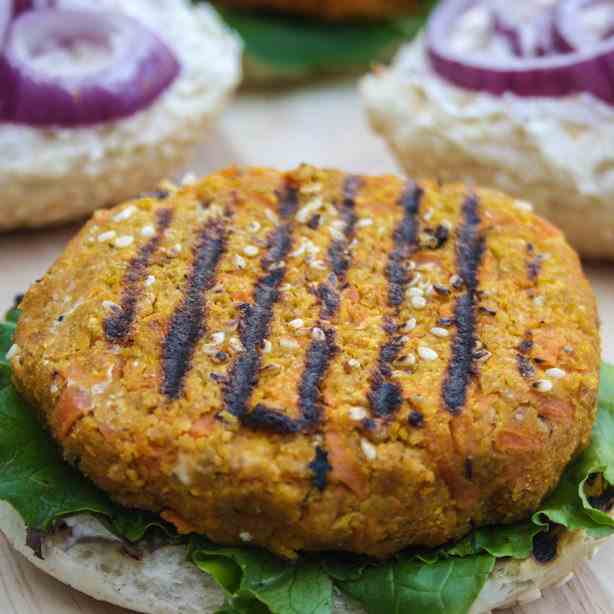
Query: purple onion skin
{"x": 44, "y": 102}
{"x": 553, "y": 75}
{"x": 37, "y": 104}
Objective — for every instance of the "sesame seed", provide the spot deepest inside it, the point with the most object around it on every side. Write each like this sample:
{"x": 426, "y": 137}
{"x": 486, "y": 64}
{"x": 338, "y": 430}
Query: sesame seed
{"x": 427, "y": 353}
{"x": 125, "y": 214}
{"x": 410, "y": 325}
{"x": 13, "y": 351}
{"x": 428, "y": 215}
{"x": 218, "y": 338}
{"x": 148, "y": 231}
{"x": 250, "y": 250}
{"x": 109, "y": 305}
{"x": 556, "y": 373}
{"x": 150, "y": 281}
{"x": 311, "y": 188}
{"x": 358, "y": 413}
{"x": 254, "y": 226}
{"x": 271, "y": 216}
{"x": 539, "y": 301}
{"x": 439, "y": 332}
{"x": 267, "y": 346}
{"x": 177, "y": 248}
{"x": 352, "y": 362}
{"x": 335, "y": 233}
{"x": 482, "y": 355}
{"x": 408, "y": 359}
{"x": 285, "y": 287}
{"x": 456, "y": 281}
{"x": 54, "y": 388}
{"x": 235, "y": 344}
{"x": 124, "y": 241}
{"x": 318, "y": 334}
{"x": 368, "y": 449}
{"x": 298, "y": 323}
{"x": 523, "y": 205}
{"x": 288, "y": 344}
{"x": 245, "y": 536}
{"x": 317, "y": 264}
{"x": 364, "y": 223}
{"x": 239, "y": 261}
{"x": 106, "y": 236}
{"x": 305, "y": 212}
{"x": 428, "y": 288}
{"x": 188, "y": 179}
{"x": 543, "y": 385}
{"x": 419, "y": 302}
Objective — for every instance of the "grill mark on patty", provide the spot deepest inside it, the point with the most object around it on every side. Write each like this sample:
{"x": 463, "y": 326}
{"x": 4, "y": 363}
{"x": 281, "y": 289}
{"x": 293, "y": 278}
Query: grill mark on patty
{"x": 255, "y": 320}
{"x": 523, "y": 361}
{"x": 469, "y": 252}
{"x": 187, "y": 324}
{"x": 534, "y": 264}
{"x": 405, "y": 244}
{"x": 118, "y": 325}
{"x": 266, "y": 418}
{"x": 338, "y": 250}
{"x": 385, "y": 397}
{"x": 320, "y": 467}
{"x": 321, "y": 349}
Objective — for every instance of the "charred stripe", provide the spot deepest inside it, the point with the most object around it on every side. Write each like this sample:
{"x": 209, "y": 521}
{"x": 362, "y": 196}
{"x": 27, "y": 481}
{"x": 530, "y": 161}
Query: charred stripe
{"x": 256, "y": 317}
{"x": 117, "y": 326}
{"x": 385, "y": 397}
{"x": 469, "y": 252}
{"x": 187, "y": 324}
{"x": 405, "y": 244}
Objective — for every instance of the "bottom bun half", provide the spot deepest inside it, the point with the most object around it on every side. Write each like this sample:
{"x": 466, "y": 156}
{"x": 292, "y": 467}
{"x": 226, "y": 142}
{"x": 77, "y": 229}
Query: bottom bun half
{"x": 89, "y": 559}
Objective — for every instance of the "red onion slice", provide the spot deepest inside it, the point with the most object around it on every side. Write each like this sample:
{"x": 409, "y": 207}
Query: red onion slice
{"x": 589, "y": 70}
{"x": 72, "y": 68}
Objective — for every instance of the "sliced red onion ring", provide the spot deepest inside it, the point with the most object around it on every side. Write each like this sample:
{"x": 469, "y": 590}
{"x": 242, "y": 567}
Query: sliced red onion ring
{"x": 589, "y": 70}
{"x": 71, "y": 68}
{"x": 583, "y": 23}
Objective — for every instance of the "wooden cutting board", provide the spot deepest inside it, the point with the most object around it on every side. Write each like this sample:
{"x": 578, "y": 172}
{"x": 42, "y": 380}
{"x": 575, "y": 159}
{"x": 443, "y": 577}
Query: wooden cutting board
{"x": 323, "y": 125}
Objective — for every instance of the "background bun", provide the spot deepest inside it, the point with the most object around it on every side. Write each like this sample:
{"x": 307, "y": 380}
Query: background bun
{"x": 53, "y": 175}
{"x": 554, "y": 153}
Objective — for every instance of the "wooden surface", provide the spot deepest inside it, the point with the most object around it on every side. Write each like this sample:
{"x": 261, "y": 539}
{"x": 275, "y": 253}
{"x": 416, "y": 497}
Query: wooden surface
{"x": 323, "y": 125}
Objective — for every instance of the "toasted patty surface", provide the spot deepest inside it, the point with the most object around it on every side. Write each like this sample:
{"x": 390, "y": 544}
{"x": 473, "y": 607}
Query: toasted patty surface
{"x": 334, "y": 9}
{"x": 316, "y": 360}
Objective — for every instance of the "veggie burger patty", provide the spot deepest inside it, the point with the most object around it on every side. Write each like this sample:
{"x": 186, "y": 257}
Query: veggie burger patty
{"x": 313, "y": 360}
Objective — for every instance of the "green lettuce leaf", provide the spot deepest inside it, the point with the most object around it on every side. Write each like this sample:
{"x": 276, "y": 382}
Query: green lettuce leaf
{"x": 298, "y": 45}
{"x": 255, "y": 581}
{"x": 7, "y": 331}
{"x": 42, "y": 487}
{"x": 408, "y": 586}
